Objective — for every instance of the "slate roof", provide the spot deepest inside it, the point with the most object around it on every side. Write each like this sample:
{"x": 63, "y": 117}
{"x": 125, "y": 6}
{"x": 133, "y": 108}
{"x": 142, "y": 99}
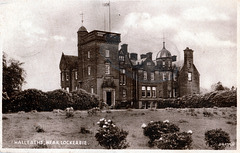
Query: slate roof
{"x": 71, "y": 61}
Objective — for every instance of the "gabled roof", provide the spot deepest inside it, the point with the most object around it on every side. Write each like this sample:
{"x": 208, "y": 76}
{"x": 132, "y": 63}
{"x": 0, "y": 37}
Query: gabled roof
{"x": 68, "y": 62}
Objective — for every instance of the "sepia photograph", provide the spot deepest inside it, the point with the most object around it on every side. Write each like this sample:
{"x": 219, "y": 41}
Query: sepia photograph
{"x": 118, "y": 74}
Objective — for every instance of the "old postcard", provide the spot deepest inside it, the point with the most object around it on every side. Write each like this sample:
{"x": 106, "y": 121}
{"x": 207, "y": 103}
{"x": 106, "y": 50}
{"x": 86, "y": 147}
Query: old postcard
{"x": 131, "y": 75}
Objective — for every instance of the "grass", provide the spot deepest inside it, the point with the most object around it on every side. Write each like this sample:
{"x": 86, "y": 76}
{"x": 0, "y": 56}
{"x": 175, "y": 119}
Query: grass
{"x": 59, "y": 128}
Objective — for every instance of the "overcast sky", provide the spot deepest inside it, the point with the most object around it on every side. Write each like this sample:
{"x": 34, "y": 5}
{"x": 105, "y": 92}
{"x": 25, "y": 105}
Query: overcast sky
{"x": 36, "y": 32}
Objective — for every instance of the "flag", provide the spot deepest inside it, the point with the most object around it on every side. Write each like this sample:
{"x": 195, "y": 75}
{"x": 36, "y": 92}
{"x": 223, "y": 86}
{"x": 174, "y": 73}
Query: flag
{"x": 106, "y": 4}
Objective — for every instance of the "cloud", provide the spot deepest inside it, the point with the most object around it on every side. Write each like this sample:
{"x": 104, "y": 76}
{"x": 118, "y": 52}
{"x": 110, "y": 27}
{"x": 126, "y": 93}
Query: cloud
{"x": 205, "y": 39}
{"x": 203, "y": 14}
{"x": 59, "y": 38}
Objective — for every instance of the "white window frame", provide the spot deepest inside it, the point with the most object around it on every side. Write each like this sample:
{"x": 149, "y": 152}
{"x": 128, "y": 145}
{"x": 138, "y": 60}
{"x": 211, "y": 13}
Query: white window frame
{"x": 169, "y": 76}
{"x": 92, "y": 91}
{"x": 152, "y": 76}
{"x": 107, "y": 53}
{"x": 189, "y": 76}
{"x": 89, "y": 70}
{"x": 164, "y": 76}
{"x": 107, "y": 68}
{"x": 89, "y": 54}
{"x": 163, "y": 63}
{"x": 144, "y": 75}
{"x": 63, "y": 78}
{"x": 121, "y": 58}
{"x": 76, "y": 75}
{"x": 124, "y": 93}
{"x": 67, "y": 76}
{"x": 123, "y": 71}
{"x": 143, "y": 91}
{"x": 149, "y": 63}
{"x": 154, "y": 91}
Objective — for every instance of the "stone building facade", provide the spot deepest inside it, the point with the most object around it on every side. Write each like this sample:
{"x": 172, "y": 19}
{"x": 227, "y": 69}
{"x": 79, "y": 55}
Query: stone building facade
{"x": 120, "y": 78}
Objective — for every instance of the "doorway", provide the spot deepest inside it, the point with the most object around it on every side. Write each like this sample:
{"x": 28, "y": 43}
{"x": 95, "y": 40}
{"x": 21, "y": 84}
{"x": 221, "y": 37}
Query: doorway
{"x": 109, "y": 98}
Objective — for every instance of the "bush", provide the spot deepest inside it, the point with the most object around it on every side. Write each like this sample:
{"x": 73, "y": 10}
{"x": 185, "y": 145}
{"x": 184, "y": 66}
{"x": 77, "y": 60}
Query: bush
{"x": 69, "y": 112}
{"x": 175, "y": 141}
{"x": 110, "y": 136}
{"x": 83, "y": 130}
{"x": 39, "y": 128}
{"x": 58, "y": 99}
{"x": 83, "y": 100}
{"x": 30, "y": 99}
{"x": 155, "y": 130}
{"x": 217, "y": 139}
{"x": 207, "y": 114}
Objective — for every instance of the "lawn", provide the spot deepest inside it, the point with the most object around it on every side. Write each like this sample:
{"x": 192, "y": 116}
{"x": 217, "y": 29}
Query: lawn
{"x": 18, "y": 128}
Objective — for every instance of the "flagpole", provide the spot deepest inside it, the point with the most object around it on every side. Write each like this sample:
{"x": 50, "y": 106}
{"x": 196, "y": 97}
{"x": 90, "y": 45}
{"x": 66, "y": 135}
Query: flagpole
{"x": 109, "y": 17}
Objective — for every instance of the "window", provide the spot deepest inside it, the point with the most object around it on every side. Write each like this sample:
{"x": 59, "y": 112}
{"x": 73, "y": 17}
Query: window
{"x": 89, "y": 70}
{"x": 170, "y": 94}
{"x": 153, "y": 91}
{"x": 175, "y": 77}
{"x": 88, "y": 55}
{"x": 152, "y": 76}
{"x": 122, "y": 71}
{"x": 169, "y": 76}
{"x": 189, "y": 76}
{"x": 143, "y": 91}
{"x": 76, "y": 75}
{"x": 148, "y": 63}
{"x": 163, "y": 63}
{"x": 144, "y": 75}
{"x": 76, "y": 88}
{"x": 67, "y": 76}
{"x": 164, "y": 76}
{"x": 124, "y": 93}
{"x": 169, "y": 64}
{"x": 174, "y": 92}
{"x": 67, "y": 89}
{"x": 107, "y": 68}
{"x": 149, "y": 91}
{"x": 122, "y": 80}
{"x": 107, "y": 53}
{"x": 92, "y": 90}
{"x": 121, "y": 58}
{"x": 63, "y": 76}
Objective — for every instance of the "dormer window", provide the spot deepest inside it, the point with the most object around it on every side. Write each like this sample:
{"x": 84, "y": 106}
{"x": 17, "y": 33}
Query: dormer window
{"x": 148, "y": 63}
{"x": 121, "y": 58}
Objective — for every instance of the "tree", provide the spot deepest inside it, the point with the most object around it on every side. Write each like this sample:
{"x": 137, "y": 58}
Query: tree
{"x": 218, "y": 87}
{"x": 13, "y": 75}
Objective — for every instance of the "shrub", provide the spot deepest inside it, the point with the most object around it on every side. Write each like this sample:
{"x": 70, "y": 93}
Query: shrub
{"x": 207, "y": 114}
{"x": 30, "y": 99}
{"x": 4, "y": 118}
{"x": 39, "y": 128}
{"x": 93, "y": 111}
{"x": 110, "y": 136}
{"x": 58, "y": 99}
{"x": 175, "y": 141}
{"x": 83, "y": 130}
{"x": 83, "y": 100}
{"x": 69, "y": 112}
{"x": 154, "y": 130}
{"x": 217, "y": 139}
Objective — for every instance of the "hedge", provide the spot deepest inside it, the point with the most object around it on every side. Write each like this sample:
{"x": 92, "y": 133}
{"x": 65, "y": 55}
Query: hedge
{"x": 33, "y": 99}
